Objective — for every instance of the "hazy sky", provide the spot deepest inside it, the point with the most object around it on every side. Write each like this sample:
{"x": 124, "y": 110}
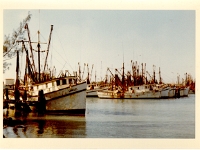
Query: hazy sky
{"x": 106, "y": 38}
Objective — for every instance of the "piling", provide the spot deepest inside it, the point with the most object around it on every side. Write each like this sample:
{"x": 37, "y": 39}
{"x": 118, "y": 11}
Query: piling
{"x": 17, "y": 96}
{"x": 24, "y": 97}
{"x": 5, "y": 101}
{"x": 7, "y": 98}
{"x": 41, "y": 102}
{"x": 177, "y": 93}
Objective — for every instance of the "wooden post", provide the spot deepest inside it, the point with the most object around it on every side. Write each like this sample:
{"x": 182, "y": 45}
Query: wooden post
{"x": 7, "y": 98}
{"x": 41, "y": 102}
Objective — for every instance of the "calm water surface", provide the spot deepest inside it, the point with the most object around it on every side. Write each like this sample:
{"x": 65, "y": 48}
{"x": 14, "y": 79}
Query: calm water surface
{"x": 112, "y": 118}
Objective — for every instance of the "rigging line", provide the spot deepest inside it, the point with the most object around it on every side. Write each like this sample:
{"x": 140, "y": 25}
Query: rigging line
{"x": 59, "y": 40}
{"x": 59, "y": 53}
{"x": 43, "y": 37}
{"x": 63, "y": 50}
{"x": 39, "y": 19}
{"x": 58, "y": 60}
{"x": 64, "y": 60}
{"x": 64, "y": 66}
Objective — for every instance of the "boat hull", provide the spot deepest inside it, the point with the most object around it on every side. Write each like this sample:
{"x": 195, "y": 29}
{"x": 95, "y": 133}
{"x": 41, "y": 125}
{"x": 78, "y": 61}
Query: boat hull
{"x": 128, "y": 95}
{"x": 70, "y": 99}
{"x": 72, "y": 103}
{"x": 186, "y": 91}
{"x": 91, "y": 93}
{"x": 165, "y": 93}
{"x": 172, "y": 92}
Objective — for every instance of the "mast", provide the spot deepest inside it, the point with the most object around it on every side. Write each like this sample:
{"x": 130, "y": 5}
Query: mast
{"x": 38, "y": 45}
{"x": 17, "y": 71}
{"x": 95, "y": 76}
{"x": 79, "y": 70}
{"x": 83, "y": 70}
{"x": 48, "y": 46}
{"x": 145, "y": 72}
{"x": 142, "y": 73}
{"x": 38, "y": 54}
{"x": 186, "y": 79}
{"x": 26, "y": 27}
{"x": 154, "y": 74}
{"x": 16, "y": 92}
{"x": 28, "y": 63}
{"x": 88, "y": 77}
{"x": 123, "y": 77}
{"x": 91, "y": 72}
{"x": 160, "y": 76}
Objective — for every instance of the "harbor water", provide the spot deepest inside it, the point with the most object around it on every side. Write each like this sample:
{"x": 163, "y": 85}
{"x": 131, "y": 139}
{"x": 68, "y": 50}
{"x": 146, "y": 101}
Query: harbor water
{"x": 111, "y": 118}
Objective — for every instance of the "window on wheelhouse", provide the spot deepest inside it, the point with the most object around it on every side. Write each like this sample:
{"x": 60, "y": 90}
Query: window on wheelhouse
{"x": 75, "y": 81}
{"x": 58, "y": 82}
{"x": 64, "y": 81}
{"x": 70, "y": 81}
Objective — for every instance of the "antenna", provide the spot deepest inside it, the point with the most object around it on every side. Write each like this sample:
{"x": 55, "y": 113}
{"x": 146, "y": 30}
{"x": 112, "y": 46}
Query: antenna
{"x": 39, "y": 19}
{"x": 123, "y": 51}
{"x": 101, "y": 70}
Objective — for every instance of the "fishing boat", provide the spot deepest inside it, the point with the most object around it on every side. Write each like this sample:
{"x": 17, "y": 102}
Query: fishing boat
{"x": 164, "y": 90}
{"x": 134, "y": 92}
{"x": 62, "y": 94}
{"x": 172, "y": 92}
{"x": 186, "y": 91}
{"x": 92, "y": 90}
{"x": 123, "y": 88}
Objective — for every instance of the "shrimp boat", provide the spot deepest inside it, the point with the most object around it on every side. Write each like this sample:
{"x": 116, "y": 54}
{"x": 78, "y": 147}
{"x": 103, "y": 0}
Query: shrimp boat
{"x": 134, "y": 92}
{"x": 184, "y": 91}
{"x": 92, "y": 90}
{"x": 122, "y": 88}
{"x": 172, "y": 92}
{"x": 64, "y": 93}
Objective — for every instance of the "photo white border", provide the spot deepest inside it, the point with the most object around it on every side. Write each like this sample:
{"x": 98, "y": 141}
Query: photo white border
{"x": 88, "y": 143}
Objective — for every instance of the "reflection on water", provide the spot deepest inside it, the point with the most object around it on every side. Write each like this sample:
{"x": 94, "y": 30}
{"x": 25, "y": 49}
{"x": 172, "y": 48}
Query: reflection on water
{"x": 47, "y": 126}
{"x": 109, "y": 118}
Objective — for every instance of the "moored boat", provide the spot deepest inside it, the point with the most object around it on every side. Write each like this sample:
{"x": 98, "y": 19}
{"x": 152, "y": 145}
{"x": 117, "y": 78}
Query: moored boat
{"x": 92, "y": 90}
{"x": 62, "y": 94}
{"x": 172, "y": 92}
{"x": 134, "y": 92}
{"x": 186, "y": 91}
{"x": 164, "y": 90}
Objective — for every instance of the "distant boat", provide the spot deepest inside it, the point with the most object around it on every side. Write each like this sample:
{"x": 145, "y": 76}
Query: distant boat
{"x": 92, "y": 90}
{"x": 172, "y": 92}
{"x": 164, "y": 90}
{"x": 186, "y": 91}
{"x": 134, "y": 92}
{"x": 123, "y": 88}
{"x": 64, "y": 93}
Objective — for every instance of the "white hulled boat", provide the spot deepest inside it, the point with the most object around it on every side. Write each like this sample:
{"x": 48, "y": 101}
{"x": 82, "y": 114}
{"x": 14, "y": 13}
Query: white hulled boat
{"x": 186, "y": 91}
{"x": 164, "y": 90}
{"x": 172, "y": 92}
{"x": 92, "y": 90}
{"x": 134, "y": 92}
{"x": 64, "y": 93}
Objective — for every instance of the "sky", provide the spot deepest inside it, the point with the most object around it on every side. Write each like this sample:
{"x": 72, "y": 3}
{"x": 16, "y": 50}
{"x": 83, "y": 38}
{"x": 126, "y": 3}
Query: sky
{"x": 107, "y": 38}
